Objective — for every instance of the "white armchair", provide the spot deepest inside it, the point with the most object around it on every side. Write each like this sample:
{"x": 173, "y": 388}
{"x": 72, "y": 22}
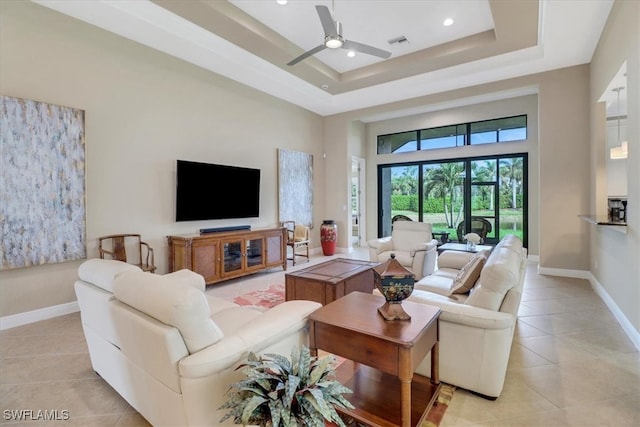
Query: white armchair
{"x": 413, "y": 245}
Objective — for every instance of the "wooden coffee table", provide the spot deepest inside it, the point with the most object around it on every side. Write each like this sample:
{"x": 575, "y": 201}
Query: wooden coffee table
{"x": 330, "y": 280}
{"x": 386, "y": 392}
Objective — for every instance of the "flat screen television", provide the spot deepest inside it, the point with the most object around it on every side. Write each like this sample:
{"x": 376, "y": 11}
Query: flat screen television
{"x": 209, "y": 191}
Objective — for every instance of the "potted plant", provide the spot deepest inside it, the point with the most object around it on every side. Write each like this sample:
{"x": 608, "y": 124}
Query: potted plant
{"x": 282, "y": 392}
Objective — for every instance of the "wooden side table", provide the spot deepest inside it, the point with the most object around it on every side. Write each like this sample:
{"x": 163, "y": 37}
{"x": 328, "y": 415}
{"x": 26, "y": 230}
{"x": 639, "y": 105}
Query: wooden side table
{"x": 386, "y": 392}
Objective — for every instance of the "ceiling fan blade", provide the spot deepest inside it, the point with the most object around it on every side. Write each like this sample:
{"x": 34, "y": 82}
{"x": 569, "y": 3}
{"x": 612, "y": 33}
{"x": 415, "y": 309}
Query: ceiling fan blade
{"x": 363, "y": 48}
{"x": 307, "y": 54}
{"x": 328, "y": 24}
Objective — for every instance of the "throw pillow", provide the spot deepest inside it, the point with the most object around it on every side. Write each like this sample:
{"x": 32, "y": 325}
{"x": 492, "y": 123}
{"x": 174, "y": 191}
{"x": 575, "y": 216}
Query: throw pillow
{"x": 469, "y": 274}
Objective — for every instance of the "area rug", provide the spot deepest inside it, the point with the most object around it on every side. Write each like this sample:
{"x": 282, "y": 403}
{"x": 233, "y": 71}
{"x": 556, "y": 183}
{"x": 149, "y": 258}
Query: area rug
{"x": 436, "y": 413}
{"x": 262, "y": 298}
{"x": 274, "y": 295}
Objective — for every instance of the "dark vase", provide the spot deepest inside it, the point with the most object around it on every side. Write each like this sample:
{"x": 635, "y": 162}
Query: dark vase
{"x": 328, "y": 236}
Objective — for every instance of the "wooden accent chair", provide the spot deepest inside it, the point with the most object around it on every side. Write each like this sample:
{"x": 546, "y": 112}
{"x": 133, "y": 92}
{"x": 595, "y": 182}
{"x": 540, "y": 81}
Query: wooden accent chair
{"x": 115, "y": 247}
{"x": 479, "y": 225}
{"x": 297, "y": 237}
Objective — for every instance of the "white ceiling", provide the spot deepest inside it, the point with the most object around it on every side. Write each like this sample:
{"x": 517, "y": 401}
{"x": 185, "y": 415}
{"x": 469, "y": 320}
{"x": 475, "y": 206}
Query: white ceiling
{"x": 373, "y": 23}
{"x": 432, "y": 61}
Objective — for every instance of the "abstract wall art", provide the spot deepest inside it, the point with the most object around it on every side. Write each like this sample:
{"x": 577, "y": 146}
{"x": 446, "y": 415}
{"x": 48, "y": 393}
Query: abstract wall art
{"x": 42, "y": 183}
{"x": 295, "y": 187}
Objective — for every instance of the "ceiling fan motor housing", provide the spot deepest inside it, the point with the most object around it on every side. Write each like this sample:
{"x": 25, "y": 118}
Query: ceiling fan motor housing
{"x": 335, "y": 41}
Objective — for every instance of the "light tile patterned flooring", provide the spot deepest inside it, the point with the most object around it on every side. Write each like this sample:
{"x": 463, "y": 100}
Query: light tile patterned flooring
{"x": 571, "y": 365}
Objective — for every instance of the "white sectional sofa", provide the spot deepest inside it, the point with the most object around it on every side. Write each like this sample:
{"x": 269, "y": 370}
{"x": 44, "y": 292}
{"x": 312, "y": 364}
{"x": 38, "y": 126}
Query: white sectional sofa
{"x": 477, "y": 326}
{"x": 169, "y": 349}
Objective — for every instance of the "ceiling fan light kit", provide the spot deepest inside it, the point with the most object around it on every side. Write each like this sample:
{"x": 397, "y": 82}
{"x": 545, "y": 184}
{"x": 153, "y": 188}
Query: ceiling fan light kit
{"x": 333, "y": 39}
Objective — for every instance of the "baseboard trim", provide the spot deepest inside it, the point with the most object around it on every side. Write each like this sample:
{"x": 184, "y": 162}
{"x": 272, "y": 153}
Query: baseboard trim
{"x": 563, "y": 272}
{"x": 533, "y": 258}
{"x": 8, "y": 322}
{"x": 627, "y": 327}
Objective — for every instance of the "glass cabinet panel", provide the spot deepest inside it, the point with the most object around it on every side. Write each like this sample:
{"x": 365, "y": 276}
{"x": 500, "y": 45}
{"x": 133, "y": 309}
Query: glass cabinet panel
{"x": 254, "y": 252}
{"x": 232, "y": 256}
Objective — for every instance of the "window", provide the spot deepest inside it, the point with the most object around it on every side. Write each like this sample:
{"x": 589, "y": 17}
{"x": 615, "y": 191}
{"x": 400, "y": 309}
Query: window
{"x": 445, "y": 193}
{"x": 398, "y": 142}
{"x": 484, "y": 132}
{"x": 443, "y": 137}
{"x": 498, "y": 130}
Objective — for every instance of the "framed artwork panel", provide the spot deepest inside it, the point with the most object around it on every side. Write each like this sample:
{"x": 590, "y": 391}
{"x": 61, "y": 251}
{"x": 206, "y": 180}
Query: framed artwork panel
{"x": 295, "y": 187}
{"x": 42, "y": 178}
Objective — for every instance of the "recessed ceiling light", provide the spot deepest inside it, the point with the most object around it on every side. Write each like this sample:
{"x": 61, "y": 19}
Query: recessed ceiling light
{"x": 351, "y": 54}
{"x": 447, "y": 22}
{"x": 281, "y": 1}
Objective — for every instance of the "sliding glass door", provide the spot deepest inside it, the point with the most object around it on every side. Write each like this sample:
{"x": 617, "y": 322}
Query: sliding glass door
{"x": 453, "y": 194}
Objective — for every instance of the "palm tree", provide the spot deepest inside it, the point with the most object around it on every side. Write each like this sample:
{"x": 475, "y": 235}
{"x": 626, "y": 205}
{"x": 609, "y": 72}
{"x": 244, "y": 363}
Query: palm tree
{"x": 406, "y": 183}
{"x": 511, "y": 179}
{"x": 484, "y": 171}
{"x": 511, "y": 174}
{"x": 444, "y": 181}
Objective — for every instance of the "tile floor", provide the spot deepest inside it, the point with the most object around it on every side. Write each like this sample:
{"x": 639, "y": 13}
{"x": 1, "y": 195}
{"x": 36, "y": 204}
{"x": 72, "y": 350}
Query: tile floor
{"x": 571, "y": 365}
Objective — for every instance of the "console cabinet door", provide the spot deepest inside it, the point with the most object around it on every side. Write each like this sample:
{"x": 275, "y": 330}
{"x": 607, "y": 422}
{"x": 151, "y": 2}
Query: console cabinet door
{"x": 242, "y": 256}
{"x": 232, "y": 257}
{"x": 205, "y": 259}
{"x": 254, "y": 254}
{"x": 274, "y": 254}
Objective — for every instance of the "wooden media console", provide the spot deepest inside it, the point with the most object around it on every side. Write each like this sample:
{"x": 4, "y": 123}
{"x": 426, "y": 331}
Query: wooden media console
{"x": 228, "y": 254}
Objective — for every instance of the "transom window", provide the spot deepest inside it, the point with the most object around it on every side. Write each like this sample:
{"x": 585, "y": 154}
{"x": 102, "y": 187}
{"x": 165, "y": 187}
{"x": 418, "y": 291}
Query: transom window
{"x": 483, "y": 132}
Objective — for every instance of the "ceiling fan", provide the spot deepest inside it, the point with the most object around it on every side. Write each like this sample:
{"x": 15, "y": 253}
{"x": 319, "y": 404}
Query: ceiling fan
{"x": 333, "y": 39}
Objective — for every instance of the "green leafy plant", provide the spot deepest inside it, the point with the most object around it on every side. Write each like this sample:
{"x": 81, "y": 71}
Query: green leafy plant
{"x": 282, "y": 392}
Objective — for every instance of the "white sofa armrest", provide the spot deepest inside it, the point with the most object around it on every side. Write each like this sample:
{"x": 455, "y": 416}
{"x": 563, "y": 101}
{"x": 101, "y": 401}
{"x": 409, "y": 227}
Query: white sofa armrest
{"x": 376, "y": 247}
{"x": 463, "y": 314}
{"x": 427, "y": 246}
{"x": 288, "y": 318}
{"x": 222, "y": 355}
{"x": 283, "y": 319}
{"x": 381, "y": 245}
{"x": 430, "y": 259}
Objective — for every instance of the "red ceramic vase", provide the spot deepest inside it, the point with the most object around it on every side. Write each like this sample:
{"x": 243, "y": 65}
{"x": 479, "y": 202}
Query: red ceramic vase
{"x": 328, "y": 236}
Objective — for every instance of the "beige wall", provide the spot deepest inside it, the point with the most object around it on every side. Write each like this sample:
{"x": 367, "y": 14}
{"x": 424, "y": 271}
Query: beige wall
{"x": 614, "y": 260}
{"x": 143, "y": 111}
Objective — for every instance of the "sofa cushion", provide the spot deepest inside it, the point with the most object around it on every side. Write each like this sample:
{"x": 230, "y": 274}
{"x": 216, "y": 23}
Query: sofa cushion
{"x": 454, "y": 259}
{"x": 434, "y": 283}
{"x": 189, "y": 277}
{"x": 469, "y": 274}
{"x": 173, "y": 302}
{"x": 449, "y": 273}
{"x": 102, "y": 272}
{"x": 500, "y": 273}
